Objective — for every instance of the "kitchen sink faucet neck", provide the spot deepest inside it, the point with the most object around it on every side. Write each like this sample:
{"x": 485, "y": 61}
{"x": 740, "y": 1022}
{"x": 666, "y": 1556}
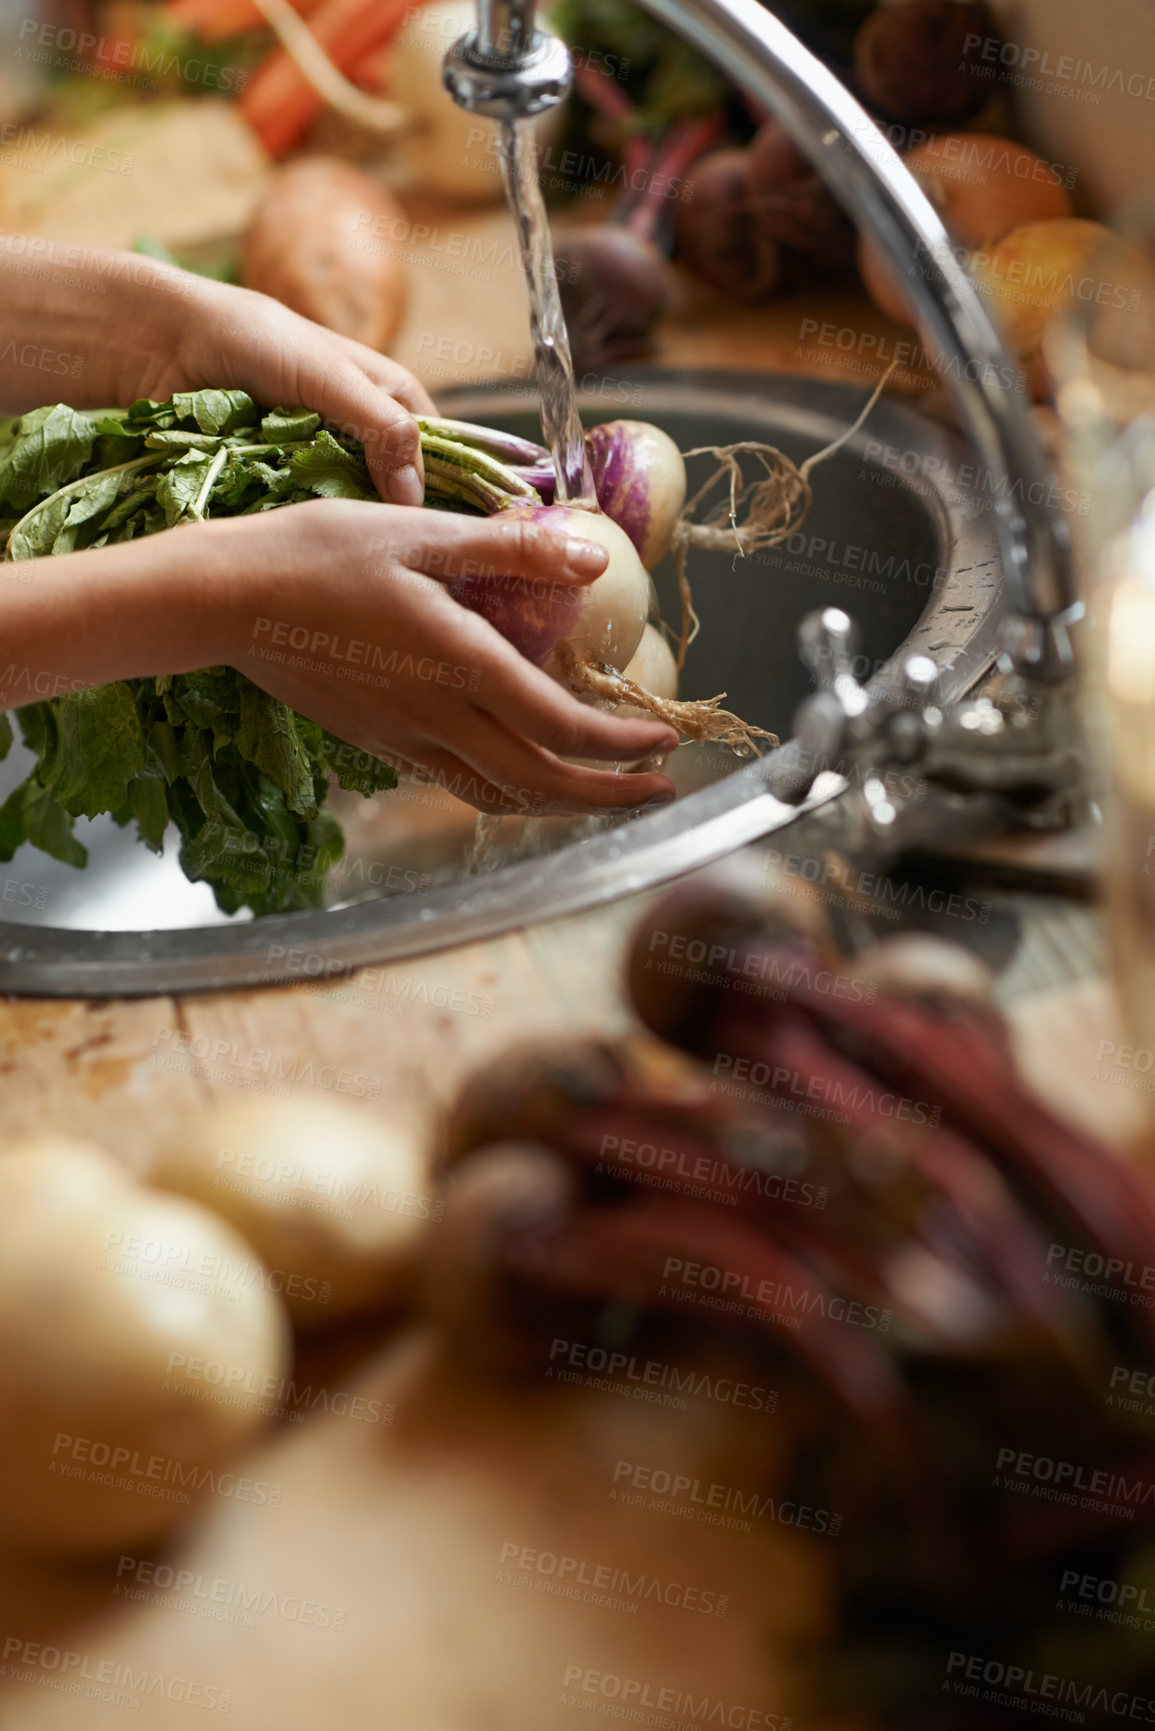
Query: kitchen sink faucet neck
{"x": 508, "y": 69}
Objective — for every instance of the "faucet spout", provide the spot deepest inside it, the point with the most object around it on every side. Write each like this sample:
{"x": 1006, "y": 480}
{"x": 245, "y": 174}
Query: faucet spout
{"x": 507, "y": 68}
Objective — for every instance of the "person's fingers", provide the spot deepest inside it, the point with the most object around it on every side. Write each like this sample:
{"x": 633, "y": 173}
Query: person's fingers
{"x": 310, "y": 365}
{"x": 389, "y": 374}
{"x": 546, "y": 784}
{"x": 529, "y": 702}
{"x": 429, "y": 765}
{"x": 448, "y": 547}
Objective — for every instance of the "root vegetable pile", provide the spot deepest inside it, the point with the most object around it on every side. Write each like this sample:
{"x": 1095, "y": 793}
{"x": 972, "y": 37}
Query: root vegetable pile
{"x": 834, "y": 1159}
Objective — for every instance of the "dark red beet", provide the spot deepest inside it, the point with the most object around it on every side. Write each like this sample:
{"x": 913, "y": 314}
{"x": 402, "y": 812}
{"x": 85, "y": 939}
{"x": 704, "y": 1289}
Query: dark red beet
{"x": 775, "y": 159}
{"x": 917, "y": 60}
{"x": 615, "y": 287}
{"x": 716, "y": 235}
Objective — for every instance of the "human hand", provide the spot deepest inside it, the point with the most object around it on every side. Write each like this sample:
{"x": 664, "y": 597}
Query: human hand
{"x": 244, "y": 341}
{"x": 187, "y": 333}
{"x": 345, "y": 615}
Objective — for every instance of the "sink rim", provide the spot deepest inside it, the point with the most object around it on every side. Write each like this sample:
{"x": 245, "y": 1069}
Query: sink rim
{"x": 699, "y": 828}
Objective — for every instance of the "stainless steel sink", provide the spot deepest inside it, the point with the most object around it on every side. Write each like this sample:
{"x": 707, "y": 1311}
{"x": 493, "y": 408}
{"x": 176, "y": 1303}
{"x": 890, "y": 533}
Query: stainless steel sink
{"x": 898, "y": 536}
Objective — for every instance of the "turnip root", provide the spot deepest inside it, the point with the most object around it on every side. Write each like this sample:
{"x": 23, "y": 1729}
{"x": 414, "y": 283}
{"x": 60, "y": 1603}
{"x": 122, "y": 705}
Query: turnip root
{"x": 641, "y": 483}
{"x": 558, "y": 625}
{"x": 110, "y": 1295}
{"x": 322, "y": 241}
{"x": 653, "y": 666}
{"x": 332, "y": 1197}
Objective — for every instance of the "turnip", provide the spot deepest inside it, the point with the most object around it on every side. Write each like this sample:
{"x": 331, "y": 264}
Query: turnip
{"x": 654, "y": 665}
{"x": 110, "y": 1295}
{"x": 333, "y": 1197}
{"x": 586, "y": 636}
{"x": 641, "y": 483}
{"x": 560, "y": 626}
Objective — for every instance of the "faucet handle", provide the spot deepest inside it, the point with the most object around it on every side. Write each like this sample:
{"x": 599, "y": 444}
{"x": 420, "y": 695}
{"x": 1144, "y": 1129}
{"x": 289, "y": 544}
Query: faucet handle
{"x": 827, "y": 643}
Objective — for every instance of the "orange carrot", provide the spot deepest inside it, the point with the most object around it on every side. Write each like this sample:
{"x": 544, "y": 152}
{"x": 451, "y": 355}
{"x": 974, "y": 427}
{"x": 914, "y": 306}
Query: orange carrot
{"x": 280, "y": 104}
{"x": 218, "y": 20}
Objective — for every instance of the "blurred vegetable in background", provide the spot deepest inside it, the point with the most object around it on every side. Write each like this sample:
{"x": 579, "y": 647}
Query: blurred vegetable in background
{"x": 835, "y": 1161}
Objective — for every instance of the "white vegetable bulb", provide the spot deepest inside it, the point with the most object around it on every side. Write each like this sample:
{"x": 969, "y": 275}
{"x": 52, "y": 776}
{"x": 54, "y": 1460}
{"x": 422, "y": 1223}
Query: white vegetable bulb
{"x": 333, "y": 1196}
{"x": 124, "y": 1317}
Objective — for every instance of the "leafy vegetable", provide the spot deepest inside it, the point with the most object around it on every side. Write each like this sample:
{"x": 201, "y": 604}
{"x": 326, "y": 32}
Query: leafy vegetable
{"x": 243, "y": 778}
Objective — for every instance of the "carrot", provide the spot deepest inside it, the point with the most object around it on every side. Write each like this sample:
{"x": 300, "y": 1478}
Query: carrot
{"x": 218, "y": 20}
{"x": 280, "y": 104}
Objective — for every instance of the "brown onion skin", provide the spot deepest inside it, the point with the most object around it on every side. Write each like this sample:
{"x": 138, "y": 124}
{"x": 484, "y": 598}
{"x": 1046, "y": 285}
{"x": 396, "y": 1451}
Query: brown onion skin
{"x": 615, "y": 289}
{"x": 716, "y": 234}
{"x": 913, "y": 62}
{"x": 983, "y": 187}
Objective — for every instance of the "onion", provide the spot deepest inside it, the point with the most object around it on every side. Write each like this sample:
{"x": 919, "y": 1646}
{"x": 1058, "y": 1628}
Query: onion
{"x": 556, "y": 624}
{"x": 110, "y": 1298}
{"x": 982, "y": 186}
{"x": 1033, "y": 272}
{"x": 641, "y": 483}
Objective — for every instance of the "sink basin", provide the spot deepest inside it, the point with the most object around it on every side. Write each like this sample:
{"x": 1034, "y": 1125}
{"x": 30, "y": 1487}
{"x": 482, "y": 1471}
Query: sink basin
{"x": 895, "y": 536}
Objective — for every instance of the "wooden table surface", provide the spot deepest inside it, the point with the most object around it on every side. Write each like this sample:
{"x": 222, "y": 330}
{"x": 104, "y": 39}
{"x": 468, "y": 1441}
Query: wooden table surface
{"x": 404, "y": 1528}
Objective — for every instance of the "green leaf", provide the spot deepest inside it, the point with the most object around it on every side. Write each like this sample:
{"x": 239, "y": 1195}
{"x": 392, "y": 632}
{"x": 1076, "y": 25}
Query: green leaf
{"x": 285, "y": 426}
{"x": 223, "y": 847}
{"x": 99, "y": 748}
{"x": 7, "y": 737}
{"x": 178, "y": 440}
{"x": 31, "y": 814}
{"x": 52, "y": 446}
{"x": 97, "y": 498}
{"x": 146, "y": 797}
{"x": 216, "y": 411}
{"x": 182, "y": 484}
{"x": 326, "y": 469}
{"x": 267, "y": 737}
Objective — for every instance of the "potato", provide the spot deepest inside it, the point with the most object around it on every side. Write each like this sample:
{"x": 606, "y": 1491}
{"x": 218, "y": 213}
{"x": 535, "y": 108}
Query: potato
{"x": 328, "y": 242}
{"x": 124, "y": 1316}
{"x": 981, "y": 186}
{"x": 334, "y": 1198}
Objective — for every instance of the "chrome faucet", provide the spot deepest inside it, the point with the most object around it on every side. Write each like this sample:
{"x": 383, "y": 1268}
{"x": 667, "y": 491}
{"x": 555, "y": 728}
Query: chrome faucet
{"x": 507, "y": 69}
{"x": 1024, "y": 747}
